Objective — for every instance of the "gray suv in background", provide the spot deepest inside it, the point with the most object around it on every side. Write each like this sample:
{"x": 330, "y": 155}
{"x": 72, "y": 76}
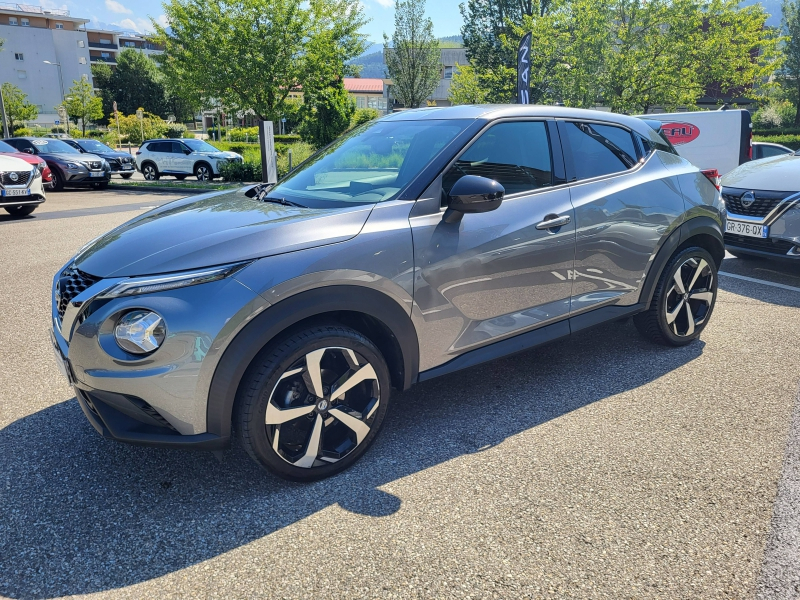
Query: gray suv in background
{"x": 419, "y": 244}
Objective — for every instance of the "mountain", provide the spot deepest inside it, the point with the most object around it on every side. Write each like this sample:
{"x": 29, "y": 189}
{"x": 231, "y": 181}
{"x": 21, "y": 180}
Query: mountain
{"x": 371, "y": 61}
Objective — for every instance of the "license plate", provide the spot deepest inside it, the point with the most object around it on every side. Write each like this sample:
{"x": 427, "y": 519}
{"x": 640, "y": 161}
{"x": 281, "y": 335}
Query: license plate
{"x": 25, "y": 192}
{"x": 127, "y": 168}
{"x": 747, "y": 229}
{"x": 100, "y": 174}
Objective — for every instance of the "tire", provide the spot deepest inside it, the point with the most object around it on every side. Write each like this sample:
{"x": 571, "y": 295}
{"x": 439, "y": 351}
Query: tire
{"x": 668, "y": 321}
{"x": 180, "y": 177}
{"x": 342, "y": 427}
{"x": 150, "y": 172}
{"x": 58, "y": 181}
{"x": 203, "y": 172}
{"x": 127, "y": 175}
{"x": 20, "y": 211}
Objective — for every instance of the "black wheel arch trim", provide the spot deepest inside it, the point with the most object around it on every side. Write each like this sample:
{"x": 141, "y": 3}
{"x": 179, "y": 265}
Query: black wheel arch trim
{"x": 276, "y": 319}
{"x": 694, "y": 227}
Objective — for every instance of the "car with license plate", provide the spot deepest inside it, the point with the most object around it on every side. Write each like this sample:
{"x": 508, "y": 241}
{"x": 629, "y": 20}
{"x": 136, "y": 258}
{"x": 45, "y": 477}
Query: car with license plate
{"x": 70, "y": 167}
{"x": 763, "y": 204}
{"x": 180, "y": 158}
{"x": 121, "y": 163}
{"x": 38, "y": 162}
{"x": 21, "y": 188}
{"x": 416, "y": 245}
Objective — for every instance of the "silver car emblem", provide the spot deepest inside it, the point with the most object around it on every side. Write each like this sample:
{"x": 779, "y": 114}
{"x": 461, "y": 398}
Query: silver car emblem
{"x": 13, "y": 176}
{"x": 747, "y": 199}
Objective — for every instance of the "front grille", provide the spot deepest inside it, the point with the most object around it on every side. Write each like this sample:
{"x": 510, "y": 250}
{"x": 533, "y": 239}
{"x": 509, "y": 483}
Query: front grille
{"x": 771, "y": 245}
{"x": 71, "y": 283}
{"x": 94, "y": 164}
{"x": 765, "y": 202}
{"x": 21, "y": 177}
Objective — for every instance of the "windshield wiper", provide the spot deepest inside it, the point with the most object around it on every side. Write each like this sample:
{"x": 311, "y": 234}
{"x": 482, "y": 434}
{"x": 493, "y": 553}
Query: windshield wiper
{"x": 283, "y": 201}
{"x": 259, "y": 193}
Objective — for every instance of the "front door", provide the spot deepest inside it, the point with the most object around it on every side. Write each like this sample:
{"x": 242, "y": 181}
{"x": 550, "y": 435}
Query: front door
{"x": 496, "y": 274}
{"x": 181, "y": 162}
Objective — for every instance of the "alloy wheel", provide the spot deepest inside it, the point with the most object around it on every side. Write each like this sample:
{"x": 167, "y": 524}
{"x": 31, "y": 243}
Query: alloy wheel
{"x": 690, "y": 297}
{"x": 322, "y": 407}
{"x": 149, "y": 172}
{"x": 202, "y": 172}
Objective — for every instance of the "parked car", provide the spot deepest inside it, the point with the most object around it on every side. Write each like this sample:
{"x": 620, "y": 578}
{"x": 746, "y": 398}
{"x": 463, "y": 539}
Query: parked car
{"x": 181, "y": 158}
{"x": 763, "y": 202}
{"x": 121, "y": 163}
{"x": 70, "y": 167}
{"x": 21, "y": 189}
{"x": 767, "y": 149}
{"x": 419, "y": 244}
{"x": 58, "y": 136}
{"x": 38, "y": 162}
{"x": 710, "y": 139}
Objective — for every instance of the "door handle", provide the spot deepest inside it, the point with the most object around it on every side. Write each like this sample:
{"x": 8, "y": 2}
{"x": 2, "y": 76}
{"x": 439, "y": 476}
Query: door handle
{"x": 553, "y": 221}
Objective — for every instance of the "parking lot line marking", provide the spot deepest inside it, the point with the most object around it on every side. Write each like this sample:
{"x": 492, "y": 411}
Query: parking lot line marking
{"x": 761, "y": 281}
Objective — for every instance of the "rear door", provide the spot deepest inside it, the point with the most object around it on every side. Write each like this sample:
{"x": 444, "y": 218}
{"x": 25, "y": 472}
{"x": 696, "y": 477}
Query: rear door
{"x": 161, "y": 153}
{"x": 625, "y": 202}
{"x": 496, "y": 274}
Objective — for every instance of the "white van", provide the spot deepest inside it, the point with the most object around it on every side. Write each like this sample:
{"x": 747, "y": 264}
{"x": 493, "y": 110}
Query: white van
{"x": 711, "y": 139}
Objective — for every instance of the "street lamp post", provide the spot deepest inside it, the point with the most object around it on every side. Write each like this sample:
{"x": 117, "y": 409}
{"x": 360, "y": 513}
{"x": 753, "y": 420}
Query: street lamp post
{"x": 60, "y": 83}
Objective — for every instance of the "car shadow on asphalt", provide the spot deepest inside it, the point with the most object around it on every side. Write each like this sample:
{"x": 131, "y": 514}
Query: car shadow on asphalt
{"x": 79, "y": 514}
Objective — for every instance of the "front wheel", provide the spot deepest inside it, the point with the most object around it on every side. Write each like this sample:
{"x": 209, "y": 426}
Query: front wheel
{"x": 314, "y": 402}
{"x": 203, "y": 172}
{"x": 683, "y": 301}
{"x": 20, "y": 211}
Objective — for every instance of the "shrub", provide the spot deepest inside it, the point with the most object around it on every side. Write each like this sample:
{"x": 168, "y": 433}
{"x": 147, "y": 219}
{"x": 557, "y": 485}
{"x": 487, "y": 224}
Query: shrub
{"x": 364, "y": 115}
{"x": 241, "y": 171}
{"x": 188, "y": 135}
{"x": 95, "y": 133}
{"x": 22, "y": 132}
{"x": 290, "y": 138}
{"x": 175, "y": 130}
{"x": 243, "y": 134}
{"x": 790, "y": 141}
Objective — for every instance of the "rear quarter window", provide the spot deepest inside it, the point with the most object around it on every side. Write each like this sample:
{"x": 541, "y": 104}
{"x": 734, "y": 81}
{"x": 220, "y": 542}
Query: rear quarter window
{"x": 599, "y": 149}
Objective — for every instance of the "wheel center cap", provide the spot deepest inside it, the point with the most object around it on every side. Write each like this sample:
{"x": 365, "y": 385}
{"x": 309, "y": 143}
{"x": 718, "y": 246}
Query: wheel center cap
{"x": 322, "y": 405}
{"x": 686, "y": 296}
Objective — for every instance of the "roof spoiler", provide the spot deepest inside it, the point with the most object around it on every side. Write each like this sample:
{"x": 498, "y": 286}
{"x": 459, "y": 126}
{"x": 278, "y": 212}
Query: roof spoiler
{"x": 654, "y": 124}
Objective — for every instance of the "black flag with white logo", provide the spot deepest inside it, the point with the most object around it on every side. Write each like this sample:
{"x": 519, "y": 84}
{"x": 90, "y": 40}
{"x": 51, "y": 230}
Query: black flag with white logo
{"x": 524, "y": 70}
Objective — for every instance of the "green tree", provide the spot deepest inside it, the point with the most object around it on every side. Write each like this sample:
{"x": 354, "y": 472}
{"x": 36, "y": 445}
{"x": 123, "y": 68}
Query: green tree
{"x": 251, "y": 54}
{"x": 82, "y": 104}
{"x": 18, "y": 109}
{"x": 413, "y": 61}
{"x": 466, "y": 87}
{"x": 790, "y": 72}
{"x": 101, "y": 76}
{"x": 136, "y": 82}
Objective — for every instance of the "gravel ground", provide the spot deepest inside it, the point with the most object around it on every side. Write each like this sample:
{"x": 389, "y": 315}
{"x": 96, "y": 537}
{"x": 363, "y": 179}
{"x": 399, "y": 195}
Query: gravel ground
{"x": 596, "y": 467}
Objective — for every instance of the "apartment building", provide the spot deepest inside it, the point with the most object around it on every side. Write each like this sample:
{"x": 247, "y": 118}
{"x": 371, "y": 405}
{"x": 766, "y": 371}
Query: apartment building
{"x": 105, "y": 46}
{"x": 367, "y": 93}
{"x": 34, "y": 35}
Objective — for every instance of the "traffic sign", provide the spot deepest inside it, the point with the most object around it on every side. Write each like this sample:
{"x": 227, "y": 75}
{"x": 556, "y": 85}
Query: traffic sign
{"x": 58, "y": 122}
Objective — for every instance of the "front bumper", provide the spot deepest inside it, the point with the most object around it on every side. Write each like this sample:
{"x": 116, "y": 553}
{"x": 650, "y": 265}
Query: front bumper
{"x": 784, "y": 230}
{"x": 82, "y": 176}
{"x": 160, "y": 399}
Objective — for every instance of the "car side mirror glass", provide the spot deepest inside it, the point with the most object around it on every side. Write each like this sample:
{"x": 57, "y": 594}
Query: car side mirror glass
{"x": 473, "y": 194}
{"x": 27, "y": 151}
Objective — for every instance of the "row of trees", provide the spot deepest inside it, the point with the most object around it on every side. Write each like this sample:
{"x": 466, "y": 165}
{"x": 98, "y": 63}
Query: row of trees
{"x": 628, "y": 55}
{"x": 80, "y": 104}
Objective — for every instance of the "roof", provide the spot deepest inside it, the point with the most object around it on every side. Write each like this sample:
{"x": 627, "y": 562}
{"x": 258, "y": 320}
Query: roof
{"x": 490, "y": 112}
{"x": 357, "y": 84}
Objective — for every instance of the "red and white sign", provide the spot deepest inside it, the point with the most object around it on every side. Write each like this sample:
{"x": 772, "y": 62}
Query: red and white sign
{"x": 680, "y": 133}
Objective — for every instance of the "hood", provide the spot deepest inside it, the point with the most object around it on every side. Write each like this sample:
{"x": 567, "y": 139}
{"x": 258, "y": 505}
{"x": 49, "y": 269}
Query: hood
{"x": 12, "y": 162}
{"x": 215, "y": 229}
{"x": 116, "y": 155}
{"x": 69, "y": 157}
{"x": 776, "y": 174}
{"x": 225, "y": 153}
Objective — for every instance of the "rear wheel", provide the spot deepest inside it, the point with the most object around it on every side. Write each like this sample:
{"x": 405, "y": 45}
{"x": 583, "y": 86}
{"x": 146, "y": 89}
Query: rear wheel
{"x": 20, "y": 211}
{"x": 150, "y": 172}
{"x": 314, "y": 402}
{"x": 683, "y": 300}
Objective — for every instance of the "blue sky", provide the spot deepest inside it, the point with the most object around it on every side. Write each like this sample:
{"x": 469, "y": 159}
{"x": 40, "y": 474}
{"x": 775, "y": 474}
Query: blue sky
{"x": 133, "y": 14}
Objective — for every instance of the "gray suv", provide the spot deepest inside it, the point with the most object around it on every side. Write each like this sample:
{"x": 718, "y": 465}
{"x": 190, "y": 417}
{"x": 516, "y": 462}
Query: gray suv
{"x": 419, "y": 244}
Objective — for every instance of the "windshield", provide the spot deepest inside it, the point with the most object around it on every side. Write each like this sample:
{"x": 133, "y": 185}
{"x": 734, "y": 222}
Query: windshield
{"x": 4, "y": 148}
{"x": 48, "y": 145}
{"x": 372, "y": 164}
{"x": 93, "y": 146}
{"x": 200, "y": 146}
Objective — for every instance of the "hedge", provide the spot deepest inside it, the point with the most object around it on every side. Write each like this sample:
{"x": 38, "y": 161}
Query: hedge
{"x": 790, "y": 141}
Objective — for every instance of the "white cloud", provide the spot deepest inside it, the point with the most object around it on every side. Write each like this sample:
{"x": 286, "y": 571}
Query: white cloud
{"x": 385, "y": 3}
{"x": 137, "y": 25}
{"x": 162, "y": 20}
{"x": 127, "y": 24}
{"x": 50, "y": 5}
{"x": 118, "y": 8}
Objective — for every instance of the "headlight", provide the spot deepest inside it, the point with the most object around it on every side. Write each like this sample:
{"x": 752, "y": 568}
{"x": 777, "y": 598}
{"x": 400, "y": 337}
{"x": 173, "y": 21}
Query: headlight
{"x": 36, "y": 172}
{"x": 73, "y": 166}
{"x": 140, "y": 332}
{"x": 161, "y": 283}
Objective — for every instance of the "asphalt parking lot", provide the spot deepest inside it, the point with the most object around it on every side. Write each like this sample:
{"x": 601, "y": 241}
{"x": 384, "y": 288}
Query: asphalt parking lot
{"x": 597, "y": 467}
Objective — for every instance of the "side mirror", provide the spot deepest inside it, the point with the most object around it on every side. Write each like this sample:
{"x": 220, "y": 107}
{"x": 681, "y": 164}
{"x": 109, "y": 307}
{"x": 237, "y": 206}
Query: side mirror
{"x": 473, "y": 194}
{"x": 27, "y": 151}
{"x": 187, "y": 151}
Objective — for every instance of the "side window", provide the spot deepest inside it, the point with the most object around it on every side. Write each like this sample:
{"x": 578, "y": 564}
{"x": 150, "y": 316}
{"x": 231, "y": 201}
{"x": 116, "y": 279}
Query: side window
{"x": 516, "y": 155}
{"x": 158, "y": 147}
{"x": 177, "y": 148}
{"x": 646, "y": 146}
{"x": 600, "y": 149}
{"x": 770, "y": 151}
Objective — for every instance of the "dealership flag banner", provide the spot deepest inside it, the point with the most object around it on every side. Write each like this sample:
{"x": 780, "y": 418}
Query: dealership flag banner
{"x": 524, "y": 70}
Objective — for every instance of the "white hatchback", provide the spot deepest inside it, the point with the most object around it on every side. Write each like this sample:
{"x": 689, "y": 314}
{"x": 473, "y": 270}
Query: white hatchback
{"x": 21, "y": 188}
{"x": 181, "y": 158}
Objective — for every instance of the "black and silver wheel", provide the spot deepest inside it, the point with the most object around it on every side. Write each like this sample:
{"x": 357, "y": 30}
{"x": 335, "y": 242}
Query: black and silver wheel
{"x": 150, "y": 172}
{"x": 683, "y": 300}
{"x": 314, "y": 403}
{"x": 58, "y": 180}
{"x": 203, "y": 172}
{"x": 20, "y": 211}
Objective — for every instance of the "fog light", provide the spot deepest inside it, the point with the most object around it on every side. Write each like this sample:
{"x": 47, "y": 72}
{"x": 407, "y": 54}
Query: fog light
{"x": 140, "y": 332}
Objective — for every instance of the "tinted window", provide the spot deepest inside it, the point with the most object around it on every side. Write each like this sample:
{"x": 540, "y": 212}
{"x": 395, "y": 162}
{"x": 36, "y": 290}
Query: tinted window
{"x": 516, "y": 155}
{"x": 200, "y": 146}
{"x": 600, "y": 149}
{"x": 177, "y": 148}
{"x": 770, "y": 151}
{"x": 49, "y": 145}
{"x": 94, "y": 146}
{"x": 159, "y": 147}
